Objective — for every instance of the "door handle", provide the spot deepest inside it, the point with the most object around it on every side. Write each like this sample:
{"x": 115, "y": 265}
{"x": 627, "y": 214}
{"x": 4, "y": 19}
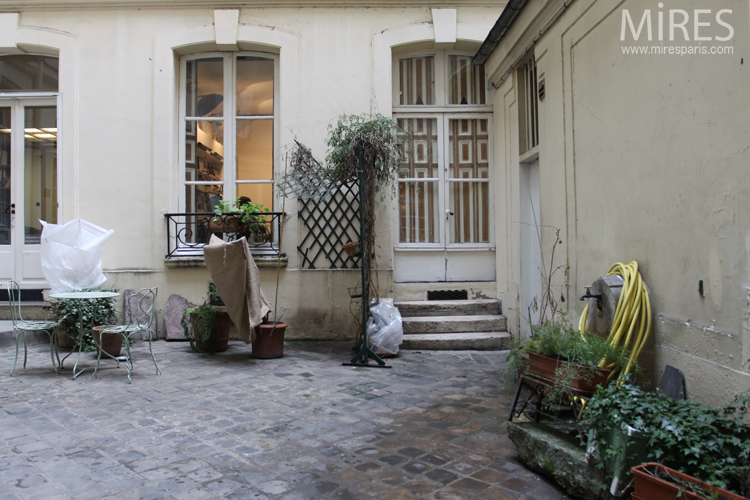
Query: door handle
{"x": 448, "y": 213}
{"x": 11, "y": 209}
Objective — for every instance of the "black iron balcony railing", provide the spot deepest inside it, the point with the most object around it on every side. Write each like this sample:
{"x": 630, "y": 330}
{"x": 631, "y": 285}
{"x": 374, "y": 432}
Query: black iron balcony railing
{"x": 188, "y": 233}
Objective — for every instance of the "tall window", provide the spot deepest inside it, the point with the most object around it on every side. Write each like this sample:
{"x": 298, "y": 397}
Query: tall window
{"x": 528, "y": 115}
{"x": 228, "y": 112}
{"x": 440, "y": 98}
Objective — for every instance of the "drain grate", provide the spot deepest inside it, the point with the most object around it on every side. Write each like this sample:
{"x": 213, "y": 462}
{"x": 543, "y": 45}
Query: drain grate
{"x": 26, "y": 295}
{"x": 447, "y": 295}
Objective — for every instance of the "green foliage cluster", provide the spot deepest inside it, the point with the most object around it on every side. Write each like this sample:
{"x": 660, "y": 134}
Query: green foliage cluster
{"x": 382, "y": 147}
{"x": 711, "y": 444}
{"x": 253, "y": 214}
{"x": 95, "y": 312}
{"x": 205, "y": 321}
{"x": 579, "y": 355}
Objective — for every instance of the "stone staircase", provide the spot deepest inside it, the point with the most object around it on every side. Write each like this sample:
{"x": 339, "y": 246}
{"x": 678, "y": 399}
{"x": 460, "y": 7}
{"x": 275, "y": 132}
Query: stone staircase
{"x": 454, "y": 325}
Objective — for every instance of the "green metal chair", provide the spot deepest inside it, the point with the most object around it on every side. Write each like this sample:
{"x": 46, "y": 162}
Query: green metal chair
{"x": 22, "y": 326}
{"x": 141, "y": 323}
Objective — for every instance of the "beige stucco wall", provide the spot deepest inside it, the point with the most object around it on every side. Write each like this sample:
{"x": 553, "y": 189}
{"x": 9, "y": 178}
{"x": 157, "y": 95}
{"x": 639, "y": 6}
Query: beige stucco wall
{"x": 644, "y": 157}
{"x": 118, "y": 139}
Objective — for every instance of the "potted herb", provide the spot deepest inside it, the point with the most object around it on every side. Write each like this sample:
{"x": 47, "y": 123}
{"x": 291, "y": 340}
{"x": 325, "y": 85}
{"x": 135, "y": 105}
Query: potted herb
{"x": 240, "y": 216}
{"x": 210, "y": 326}
{"x": 557, "y": 353}
{"x": 710, "y": 444}
{"x": 96, "y": 312}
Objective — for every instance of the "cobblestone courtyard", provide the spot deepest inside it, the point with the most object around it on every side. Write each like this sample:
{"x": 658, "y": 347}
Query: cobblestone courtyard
{"x": 230, "y": 426}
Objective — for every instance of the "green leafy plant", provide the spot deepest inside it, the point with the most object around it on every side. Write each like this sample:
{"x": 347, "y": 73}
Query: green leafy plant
{"x": 579, "y": 356}
{"x": 95, "y": 312}
{"x": 710, "y": 444}
{"x": 205, "y": 322}
{"x": 382, "y": 145}
{"x": 252, "y": 215}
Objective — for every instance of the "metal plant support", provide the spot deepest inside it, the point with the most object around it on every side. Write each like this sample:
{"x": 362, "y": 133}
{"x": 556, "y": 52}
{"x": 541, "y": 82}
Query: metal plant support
{"x": 366, "y": 219}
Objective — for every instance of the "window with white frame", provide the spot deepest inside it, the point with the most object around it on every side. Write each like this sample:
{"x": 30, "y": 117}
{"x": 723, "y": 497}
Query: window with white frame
{"x": 228, "y": 114}
{"x": 440, "y": 98}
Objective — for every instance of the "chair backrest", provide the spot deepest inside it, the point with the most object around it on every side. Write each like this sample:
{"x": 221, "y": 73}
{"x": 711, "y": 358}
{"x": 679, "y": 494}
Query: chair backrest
{"x": 144, "y": 314}
{"x": 14, "y": 298}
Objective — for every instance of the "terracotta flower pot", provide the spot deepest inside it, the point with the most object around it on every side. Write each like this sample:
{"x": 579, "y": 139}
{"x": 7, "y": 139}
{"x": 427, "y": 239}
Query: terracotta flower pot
{"x": 649, "y": 485}
{"x": 352, "y": 248}
{"x": 228, "y": 224}
{"x": 63, "y": 341}
{"x": 111, "y": 342}
{"x": 269, "y": 341}
{"x": 218, "y": 341}
{"x": 546, "y": 367}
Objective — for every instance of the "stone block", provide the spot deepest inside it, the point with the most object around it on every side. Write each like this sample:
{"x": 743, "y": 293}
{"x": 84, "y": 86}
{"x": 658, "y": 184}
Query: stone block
{"x": 559, "y": 457}
{"x": 173, "y": 310}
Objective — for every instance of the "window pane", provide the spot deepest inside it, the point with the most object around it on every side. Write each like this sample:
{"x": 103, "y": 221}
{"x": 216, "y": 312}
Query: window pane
{"x": 254, "y": 150}
{"x": 202, "y": 198}
{"x": 466, "y": 81}
{"x": 469, "y": 200}
{"x": 28, "y": 73}
{"x": 204, "y": 151}
{"x": 257, "y": 193}
{"x": 419, "y": 212}
{"x": 40, "y": 170}
{"x": 422, "y": 148}
{"x": 254, "y": 86}
{"x": 417, "y": 80}
{"x": 205, "y": 87}
{"x": 5, "y": 201}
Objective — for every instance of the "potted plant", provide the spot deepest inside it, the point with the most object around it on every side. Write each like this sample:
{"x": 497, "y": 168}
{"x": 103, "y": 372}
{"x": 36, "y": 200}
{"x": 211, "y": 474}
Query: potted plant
{"x": 710, "y": 444}
{"x": 240, "y": 216}
{"x": 656, "y": 482}
{"x": 95, "y": 312}
{"x": 570, "y": 361}
{"x": 210, "y": 326}
{"x": 269, "y": 339}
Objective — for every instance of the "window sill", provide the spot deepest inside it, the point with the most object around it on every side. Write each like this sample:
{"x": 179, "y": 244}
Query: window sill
{"x": 262, "y": 261}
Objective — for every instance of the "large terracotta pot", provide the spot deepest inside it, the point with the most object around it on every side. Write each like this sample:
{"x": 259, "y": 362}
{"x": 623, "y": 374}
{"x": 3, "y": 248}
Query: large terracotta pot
{"x": 111, "y": 342}
{"x": 649, "y": 485}
{"x": 63, "y": 341}
{"x": 269, "y": 341}
{"x": 546, "y": 367}
{"x": 219, "y": 339}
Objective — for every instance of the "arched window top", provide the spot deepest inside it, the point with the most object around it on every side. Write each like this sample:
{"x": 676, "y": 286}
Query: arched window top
{"x": 23, "y": 73}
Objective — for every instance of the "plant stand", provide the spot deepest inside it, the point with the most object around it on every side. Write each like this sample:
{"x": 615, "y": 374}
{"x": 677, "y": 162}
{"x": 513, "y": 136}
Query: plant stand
{"x": 366, "y": 192}
{"x": 530, "y": 393}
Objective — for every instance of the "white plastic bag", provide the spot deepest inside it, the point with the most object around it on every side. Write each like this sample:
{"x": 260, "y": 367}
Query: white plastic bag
{"x": 384, "y": 328}
{"x": 71, "y": 253}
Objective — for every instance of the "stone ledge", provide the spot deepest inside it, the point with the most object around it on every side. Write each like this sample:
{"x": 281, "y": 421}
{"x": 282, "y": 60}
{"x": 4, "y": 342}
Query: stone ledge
{"x": 196, "y": 262}
{"x": 559, "y": 457}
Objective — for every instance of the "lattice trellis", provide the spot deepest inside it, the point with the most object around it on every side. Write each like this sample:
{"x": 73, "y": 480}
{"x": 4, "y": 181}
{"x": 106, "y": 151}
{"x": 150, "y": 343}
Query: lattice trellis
{"x": 330, "y": 221}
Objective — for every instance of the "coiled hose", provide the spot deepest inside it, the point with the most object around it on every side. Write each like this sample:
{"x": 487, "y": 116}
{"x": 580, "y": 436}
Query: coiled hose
{"x": 631, "y": 326}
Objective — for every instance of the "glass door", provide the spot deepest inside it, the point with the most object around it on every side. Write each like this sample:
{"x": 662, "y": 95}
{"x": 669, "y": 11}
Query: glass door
{"x": 445, "y": 209}
{"x": 28, "y": 184}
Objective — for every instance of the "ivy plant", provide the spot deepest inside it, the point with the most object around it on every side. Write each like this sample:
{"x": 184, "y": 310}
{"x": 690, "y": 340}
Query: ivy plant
{"x": 710, "y": 444}
{"x": 94, "y": 312}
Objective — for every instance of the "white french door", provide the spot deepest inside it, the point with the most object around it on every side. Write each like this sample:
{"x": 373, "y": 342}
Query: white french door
{"x": 445, "y": 229}
{"x": 28, "y": 184}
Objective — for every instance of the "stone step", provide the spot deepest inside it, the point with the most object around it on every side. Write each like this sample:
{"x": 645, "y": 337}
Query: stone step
{"x": 479, "y": 341}
{"x": 455, "y": 324}
{"x": 29, "y": 310}
{"x": 448, "y": 307}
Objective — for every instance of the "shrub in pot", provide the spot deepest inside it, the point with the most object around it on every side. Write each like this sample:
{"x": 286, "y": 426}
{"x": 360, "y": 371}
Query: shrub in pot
{"x": 571, "y": 360}
{"x": 210, "y": 326}
{"x": 95, "y": 312}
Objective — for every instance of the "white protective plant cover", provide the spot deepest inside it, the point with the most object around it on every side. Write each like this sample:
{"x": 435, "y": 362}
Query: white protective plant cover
{"x": 385, "y": 328}
{"x": 71, "y": 253}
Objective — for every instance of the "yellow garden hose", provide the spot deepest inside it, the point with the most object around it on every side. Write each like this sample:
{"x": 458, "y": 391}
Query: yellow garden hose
{"x": 631, "y": 326}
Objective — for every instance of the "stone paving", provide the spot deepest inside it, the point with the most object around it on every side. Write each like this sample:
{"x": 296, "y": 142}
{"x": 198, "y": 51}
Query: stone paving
{"x": 231, "y": 426}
